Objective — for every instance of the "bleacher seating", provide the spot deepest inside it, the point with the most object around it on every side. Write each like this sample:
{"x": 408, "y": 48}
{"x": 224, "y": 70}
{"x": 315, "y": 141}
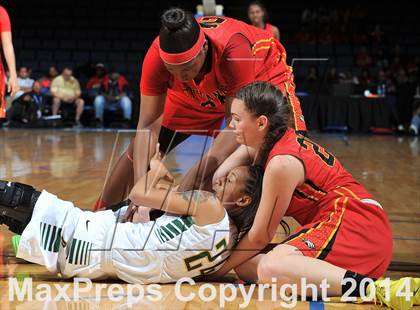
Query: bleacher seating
{"x": 82, "y": 32}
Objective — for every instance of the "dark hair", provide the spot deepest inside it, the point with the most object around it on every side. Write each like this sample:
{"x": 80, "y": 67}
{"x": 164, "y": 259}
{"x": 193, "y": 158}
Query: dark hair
{"x": 263, "y": 98}
{"x": 179, "y": 31}
{"x": 263, "y": 8}
{"x": 244, "y": 218}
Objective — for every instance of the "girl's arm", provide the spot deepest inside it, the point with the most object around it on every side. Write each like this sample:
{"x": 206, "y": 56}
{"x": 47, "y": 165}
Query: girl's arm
{"x": 243, "y": 155}
{"x": 282, "y": 175}
{"x": 9, "y": 54}
{"x": 148, "y": 128}
{"x": 201, "y": 173}
{"x": 203, "y": 206}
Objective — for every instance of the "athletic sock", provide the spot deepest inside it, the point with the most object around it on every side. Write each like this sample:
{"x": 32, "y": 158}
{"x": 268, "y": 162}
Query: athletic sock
{"x": 100, "y": 205}
{"x": 353, "y": 277}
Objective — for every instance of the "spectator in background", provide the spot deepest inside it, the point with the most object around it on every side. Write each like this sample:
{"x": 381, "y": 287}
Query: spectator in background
{"x": 308, "y": 16}
{"x": 46, "y": 80}
{"x": 94, "y": 84}
{"x": 323, "y": 15}
{"x": 114, "y": 94}
{"x": 312, "y": 74}
{"x": 27, "y": 109}
{"x": 377, "y": 35}
{"x": 258, "y": 17}
{"x": 24, "y": 81}
{"x": 332, "y": 77}
{"x": 348, "y": 78}
{"x": 396, "y": 52}
{"x": 363, "y": 59}
{"x": 396, "y": 65}
{"x": 65, "y": 88}
{"x": 412, "y": 69}
{"x": 365, "y": 80}
{"x": 390, "y": 92}
{"x": 404, "y": 98}
{"x": 37, "y": 96}
{"x": 415, "y": 121}
{"x": 380, "y": 60}
{"x": 326, "y": 36}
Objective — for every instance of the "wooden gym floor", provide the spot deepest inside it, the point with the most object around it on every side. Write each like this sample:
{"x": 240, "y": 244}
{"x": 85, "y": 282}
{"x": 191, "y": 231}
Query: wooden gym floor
{"x": 74, "y": 164}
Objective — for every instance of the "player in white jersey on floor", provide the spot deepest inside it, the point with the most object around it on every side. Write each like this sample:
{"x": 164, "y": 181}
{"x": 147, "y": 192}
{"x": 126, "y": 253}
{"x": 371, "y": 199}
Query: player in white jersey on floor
{"x": 194, "y": 239}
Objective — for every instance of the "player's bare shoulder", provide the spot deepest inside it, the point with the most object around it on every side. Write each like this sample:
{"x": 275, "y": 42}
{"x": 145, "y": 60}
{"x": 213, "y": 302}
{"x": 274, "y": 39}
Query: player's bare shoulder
{"x": 207, "y": 207}
{"x": 198, "y": 196}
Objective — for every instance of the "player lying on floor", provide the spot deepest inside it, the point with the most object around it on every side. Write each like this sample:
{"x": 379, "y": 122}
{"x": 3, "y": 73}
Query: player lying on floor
{"x": 195, "y": 241}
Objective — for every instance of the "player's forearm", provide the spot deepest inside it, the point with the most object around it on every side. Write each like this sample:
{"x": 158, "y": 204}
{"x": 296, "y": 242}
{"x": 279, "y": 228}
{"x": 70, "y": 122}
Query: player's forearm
{"x": 9, "y": 53}
{"x": 143, "y": 188}
{"x": 148, "y": 129}
{"x": 144, "y": 148}
{"x": 242, "y": 156}
{"x": 245, "y": 250}
{"x": 224, "y": 145}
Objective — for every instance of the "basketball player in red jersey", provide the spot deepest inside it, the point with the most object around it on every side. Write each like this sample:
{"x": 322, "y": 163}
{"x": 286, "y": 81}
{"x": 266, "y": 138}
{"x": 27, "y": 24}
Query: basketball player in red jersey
{"x": 257, "y": 14}
{"x": 345, "y": 233}
{"x": 6, "y": 42}
{"x": 189, "y": 75}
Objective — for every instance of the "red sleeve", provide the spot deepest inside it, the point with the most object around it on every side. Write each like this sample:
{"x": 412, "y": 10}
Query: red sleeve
{"x": 124, "y": 81}
{"x": 154, "y": 76}
{"x": 90, "y": 83}
{"x": 236, "y": 68}
{"x": 4, "y": 20}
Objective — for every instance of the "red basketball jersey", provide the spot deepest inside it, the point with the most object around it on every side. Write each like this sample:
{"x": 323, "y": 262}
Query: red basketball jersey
{"x": 269, "y": 28}
{"x": 4, "y": 27}
{"x": 201, "y": 106}
{"x": 324, "y": 174}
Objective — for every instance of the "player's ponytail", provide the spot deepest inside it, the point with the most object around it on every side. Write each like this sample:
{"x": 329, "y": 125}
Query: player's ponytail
{"x": 179, "y": 31}
{"x": 263, "y": 98}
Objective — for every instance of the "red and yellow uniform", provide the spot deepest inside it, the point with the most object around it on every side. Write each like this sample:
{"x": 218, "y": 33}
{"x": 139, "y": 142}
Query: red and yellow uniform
{"x": 268, "y": 27}
{"x": 240, "y": 54}
{"x": 341, "y": 223}
{"x": 4, "y": 27}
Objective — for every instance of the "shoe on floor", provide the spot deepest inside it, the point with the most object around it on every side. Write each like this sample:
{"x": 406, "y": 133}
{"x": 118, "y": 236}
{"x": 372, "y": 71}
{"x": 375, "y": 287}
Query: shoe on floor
{"x": 413, "y": 130}
{"x": 77, "y": 125}
{"x": 400, "y": 294}
{"x": 17, "y": 202}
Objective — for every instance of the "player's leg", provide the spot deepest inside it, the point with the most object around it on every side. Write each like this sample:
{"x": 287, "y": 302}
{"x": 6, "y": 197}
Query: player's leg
{"x": 287, "y": 264}
{"x": 79, "y": 108}
{"x": 126, "y": 106}
{"x": 56, "y": 103}
{"x": 119, "y": 181}
{"x": 327, "y": 251}
{"x": 320, "y": 250}
{"x": 99, "y": 104}
{"x": 55, "y": 233}
{"x": 296, "y": 268}
{"x": 78, "y": 243}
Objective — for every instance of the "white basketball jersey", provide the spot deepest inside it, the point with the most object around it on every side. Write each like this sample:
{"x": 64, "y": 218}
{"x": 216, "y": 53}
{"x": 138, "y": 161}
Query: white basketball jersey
{"x": 174, "y": 247}
{"x": 79, "y": 243}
